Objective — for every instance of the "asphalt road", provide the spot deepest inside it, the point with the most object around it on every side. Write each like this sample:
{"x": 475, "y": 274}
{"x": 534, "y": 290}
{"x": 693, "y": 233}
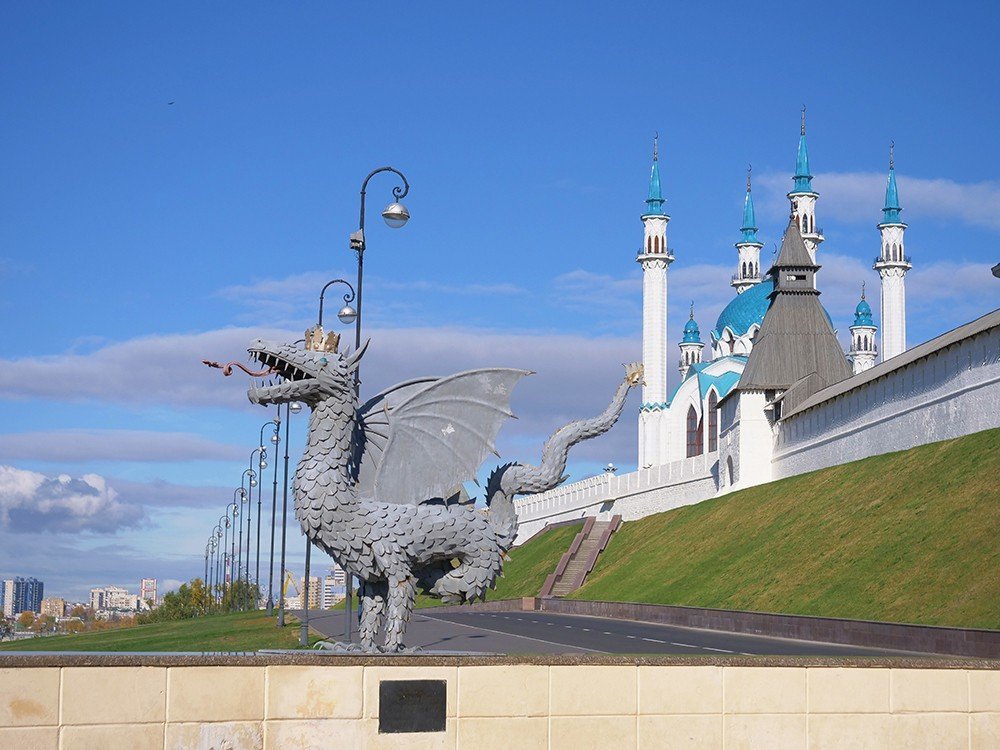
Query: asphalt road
{"x": 543, "y": 632}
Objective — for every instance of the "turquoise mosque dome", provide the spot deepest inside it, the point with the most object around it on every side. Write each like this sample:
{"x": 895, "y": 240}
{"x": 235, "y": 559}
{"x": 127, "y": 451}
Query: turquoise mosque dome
{"x": 748, "y": 309}
{"x": 863, "y": 314}
{"x": 745, "y": 310}
{"x": 691, "y": 333}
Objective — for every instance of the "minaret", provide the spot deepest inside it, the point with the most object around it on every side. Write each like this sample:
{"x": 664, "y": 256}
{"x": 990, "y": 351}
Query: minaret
{"x": 690, "y": 345}
{"x": 655, "y": 258}
{"x": 892, "y": 265}
{"x": 803, "y": 197}
{"x": 863, "y": 352}
{"x": 748, "y": 271}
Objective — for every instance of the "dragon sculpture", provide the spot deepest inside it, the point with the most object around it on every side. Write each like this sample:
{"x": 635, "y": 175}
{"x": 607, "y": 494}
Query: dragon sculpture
{"x": 373, "y": 486}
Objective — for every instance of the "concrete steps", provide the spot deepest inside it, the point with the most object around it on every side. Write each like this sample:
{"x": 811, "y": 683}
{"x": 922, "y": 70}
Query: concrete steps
{"x": 581, "y": 557}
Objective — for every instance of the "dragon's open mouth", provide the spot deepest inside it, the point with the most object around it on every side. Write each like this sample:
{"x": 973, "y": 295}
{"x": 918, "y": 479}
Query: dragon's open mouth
{"x": 278, "y": 366}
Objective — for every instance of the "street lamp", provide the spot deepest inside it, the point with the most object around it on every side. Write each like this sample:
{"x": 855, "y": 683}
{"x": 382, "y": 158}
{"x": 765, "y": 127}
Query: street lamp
{"x": 235, "y": 510}
{"x": 224, "y": 522}
{"x": 395, "y": 216}
{"x": 276, "y": 422}
{"x": 247, "y": 495}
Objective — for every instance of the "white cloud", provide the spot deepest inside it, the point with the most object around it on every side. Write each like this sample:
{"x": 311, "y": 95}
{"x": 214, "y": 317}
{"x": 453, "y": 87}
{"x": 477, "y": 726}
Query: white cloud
{"x": 114, "y": 445}
{"x": 859, "y": 197}
{"x": 33, "y": 502}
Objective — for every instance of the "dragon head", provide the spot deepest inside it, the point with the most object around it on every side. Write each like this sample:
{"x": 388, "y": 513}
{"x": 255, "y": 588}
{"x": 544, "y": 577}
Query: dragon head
{"x": 307, "y": 375}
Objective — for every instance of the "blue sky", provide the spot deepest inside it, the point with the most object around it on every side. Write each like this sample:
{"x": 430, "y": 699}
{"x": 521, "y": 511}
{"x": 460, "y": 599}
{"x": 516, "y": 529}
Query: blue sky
{"x": 137, "y": 236}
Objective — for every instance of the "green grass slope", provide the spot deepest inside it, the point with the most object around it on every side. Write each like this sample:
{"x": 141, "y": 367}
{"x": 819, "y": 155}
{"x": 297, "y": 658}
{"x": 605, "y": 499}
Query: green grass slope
{"x": 248, "y": 631}
{"x": 912, "y": 537}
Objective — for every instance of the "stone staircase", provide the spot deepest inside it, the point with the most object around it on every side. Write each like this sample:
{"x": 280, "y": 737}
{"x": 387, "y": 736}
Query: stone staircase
{"x": 581, "y": 557}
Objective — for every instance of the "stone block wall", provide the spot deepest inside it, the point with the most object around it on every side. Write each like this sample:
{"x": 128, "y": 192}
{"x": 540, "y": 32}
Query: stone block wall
{"x": 642, "y": 704}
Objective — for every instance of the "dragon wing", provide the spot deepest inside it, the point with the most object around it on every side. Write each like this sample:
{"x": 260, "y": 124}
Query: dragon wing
{"x": 372, "y": 432}
{"x": 422, "y": 438}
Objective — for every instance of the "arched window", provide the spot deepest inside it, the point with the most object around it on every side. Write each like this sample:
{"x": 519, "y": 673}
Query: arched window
{"x": 693, "y": 433}
{"x": 744, "y": 267}
{"x": 713, "y": 422}
{"x": 649, "y": 244}
{"x": 729, "y": 468}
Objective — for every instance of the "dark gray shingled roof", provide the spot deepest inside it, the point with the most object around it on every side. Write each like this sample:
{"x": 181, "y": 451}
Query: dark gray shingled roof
{"x": 796, "y": 338}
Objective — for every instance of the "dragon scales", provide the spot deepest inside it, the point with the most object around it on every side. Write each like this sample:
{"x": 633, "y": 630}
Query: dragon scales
{"x": 371, "y": 488}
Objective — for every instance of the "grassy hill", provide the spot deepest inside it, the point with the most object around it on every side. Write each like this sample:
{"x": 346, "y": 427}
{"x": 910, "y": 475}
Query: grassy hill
{"x": 247, "y": 631}
{"x": 912, "y": 536}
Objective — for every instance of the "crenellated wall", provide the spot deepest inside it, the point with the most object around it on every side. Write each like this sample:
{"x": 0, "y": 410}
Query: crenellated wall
{"x": 633, "y": 495}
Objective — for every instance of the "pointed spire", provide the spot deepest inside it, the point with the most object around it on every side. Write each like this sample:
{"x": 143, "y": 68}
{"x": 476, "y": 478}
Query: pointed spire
{"x": 803, "y": 179}
{"x": 654, "y": 199}
{"x": 749, "y": 227}
{"x": 891, "y": 209}
{"x": 691, "y": 333}
{"x": 863, "y": 312}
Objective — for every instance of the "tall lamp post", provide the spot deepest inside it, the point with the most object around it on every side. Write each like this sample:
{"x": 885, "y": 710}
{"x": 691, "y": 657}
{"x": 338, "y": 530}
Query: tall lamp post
{"x": 346, "y": 315}
{"x": 233, "y": 559}
{"x": 246, "y": 495}
{"x": 275, "y": 437}
{"x": 284, "y": 512}
{"x": 395, "y": 216}
{"x": 224, "y": 522}
{"x": 216, "y": 539}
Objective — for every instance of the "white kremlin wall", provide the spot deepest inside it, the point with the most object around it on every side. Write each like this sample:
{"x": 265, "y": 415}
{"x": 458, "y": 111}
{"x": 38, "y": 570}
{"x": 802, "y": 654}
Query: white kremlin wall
{"x": 946, "y": 392}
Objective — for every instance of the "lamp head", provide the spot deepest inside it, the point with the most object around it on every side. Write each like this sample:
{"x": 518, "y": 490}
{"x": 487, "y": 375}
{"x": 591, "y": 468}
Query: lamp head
{"x": 347, "y": 314}
{"x": 395, "y": 215}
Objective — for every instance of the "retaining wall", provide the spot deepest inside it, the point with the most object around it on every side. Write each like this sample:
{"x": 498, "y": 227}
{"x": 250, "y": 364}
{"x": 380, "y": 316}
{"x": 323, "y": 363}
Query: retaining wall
{"x": 333, "y": 702}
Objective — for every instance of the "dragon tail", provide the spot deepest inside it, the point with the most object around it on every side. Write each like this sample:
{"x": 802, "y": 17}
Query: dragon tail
{"x": 509, "y": 480}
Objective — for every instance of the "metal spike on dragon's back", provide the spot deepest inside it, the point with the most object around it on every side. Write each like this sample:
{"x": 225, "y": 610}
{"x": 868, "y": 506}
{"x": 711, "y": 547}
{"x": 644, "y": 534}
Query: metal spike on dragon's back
{"x": 369, "y": 468}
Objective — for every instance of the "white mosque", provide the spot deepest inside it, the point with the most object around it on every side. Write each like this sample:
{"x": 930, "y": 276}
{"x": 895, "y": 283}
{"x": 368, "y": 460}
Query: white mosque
{"x": 685, "y": 423}
{"x": 775, "y": 394}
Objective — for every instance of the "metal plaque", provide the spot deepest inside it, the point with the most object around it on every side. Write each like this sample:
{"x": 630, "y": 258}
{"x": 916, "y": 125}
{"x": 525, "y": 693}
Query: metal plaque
{"x": 411, "y": 706}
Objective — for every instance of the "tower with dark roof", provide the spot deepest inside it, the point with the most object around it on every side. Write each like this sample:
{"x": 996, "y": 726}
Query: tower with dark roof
{"x": 796, "y": 342}
{"x": 892, "y": 265}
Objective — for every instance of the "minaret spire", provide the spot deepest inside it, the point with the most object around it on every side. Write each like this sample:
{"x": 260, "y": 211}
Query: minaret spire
{"x": 892, "y": 265}
{"x": 655, "y": 258}
{"x": 803, "y": 197}
{"x": 690, "y": 345}
{"x": 863, "y": 352}
{"x": 748, "y": 265}
{"x": 654, "y": 198}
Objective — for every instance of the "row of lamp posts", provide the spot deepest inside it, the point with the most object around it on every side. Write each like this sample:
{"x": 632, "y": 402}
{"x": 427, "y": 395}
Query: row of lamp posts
{"x": 395, "y": 216}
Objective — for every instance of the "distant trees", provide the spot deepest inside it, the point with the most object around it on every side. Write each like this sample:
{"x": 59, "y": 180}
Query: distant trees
{"x": 25, "y": 620}
{"x": 193, "y": 599}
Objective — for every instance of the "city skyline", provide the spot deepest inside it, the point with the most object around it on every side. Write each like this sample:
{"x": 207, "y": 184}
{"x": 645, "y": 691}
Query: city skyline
{"x": 187, "y": 187}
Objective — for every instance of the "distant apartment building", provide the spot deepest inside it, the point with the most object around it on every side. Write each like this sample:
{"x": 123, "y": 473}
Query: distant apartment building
{"x": 147, "y": 591}
{"x": 22, "y": 595}
{"x": 313, "y": 591}
{"x": 53, "y": 606}
{"x": 334, "y": 587}
{"x": 113, "y": 598}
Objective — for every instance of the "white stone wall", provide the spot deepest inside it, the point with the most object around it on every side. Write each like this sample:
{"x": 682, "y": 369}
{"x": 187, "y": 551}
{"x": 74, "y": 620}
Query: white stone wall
{"x": 633, "y": 495}
{"x": 953, "y": 392}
